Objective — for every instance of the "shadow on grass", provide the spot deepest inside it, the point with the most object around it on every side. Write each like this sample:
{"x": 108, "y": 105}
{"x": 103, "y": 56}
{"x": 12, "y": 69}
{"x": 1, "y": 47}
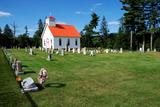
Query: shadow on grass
{"x": 28, "y": 72}
{"x": 55, "y": 85}
{"x": 30, "y": 99}
{"x": 39, "y": 86}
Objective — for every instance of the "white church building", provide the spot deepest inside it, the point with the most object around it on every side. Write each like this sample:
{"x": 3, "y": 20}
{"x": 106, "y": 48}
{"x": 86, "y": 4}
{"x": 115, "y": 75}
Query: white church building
{"x": 59, "y": 36}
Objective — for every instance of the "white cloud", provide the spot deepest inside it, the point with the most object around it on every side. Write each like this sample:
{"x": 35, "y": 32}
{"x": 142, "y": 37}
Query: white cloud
{"x": 2, "y": 14}
{"x": 81, "y": 12}
{"x": 113, "y": 23}
{"x": 95, "y": 6}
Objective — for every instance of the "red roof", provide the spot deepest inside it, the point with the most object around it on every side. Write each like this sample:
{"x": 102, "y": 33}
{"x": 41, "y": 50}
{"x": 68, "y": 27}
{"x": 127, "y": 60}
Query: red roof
{"x": 61, "y": 30}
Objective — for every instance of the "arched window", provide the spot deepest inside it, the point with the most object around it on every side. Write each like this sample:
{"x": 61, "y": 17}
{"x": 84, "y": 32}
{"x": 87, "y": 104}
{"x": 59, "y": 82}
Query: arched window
{"x": 76, "y": 42}
{"x": 60, "y": 42}
{"x": 68, "y": 42}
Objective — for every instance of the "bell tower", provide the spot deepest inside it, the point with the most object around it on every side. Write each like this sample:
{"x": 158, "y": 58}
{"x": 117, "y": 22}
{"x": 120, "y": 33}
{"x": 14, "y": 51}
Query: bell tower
{"x": 50, "y": 21}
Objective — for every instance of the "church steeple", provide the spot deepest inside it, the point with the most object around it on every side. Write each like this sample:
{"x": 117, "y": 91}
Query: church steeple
{"x": 50, "y": 21}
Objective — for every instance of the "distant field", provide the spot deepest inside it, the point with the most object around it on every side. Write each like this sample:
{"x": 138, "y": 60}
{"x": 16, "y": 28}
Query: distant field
{"x": 105, "y": 80}
{"x": 10, "y": 94}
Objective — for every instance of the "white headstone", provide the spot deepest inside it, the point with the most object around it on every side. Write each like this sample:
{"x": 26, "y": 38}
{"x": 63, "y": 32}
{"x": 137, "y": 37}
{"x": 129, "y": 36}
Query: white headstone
{"x": 43, "y": 49}
{"x": 84, "y": 51}
{"x": 121, "y": 50}
{"x": 40, "y": 48}
{"x": 30, "y": 51}
{"x": 57, "y": 52}
{"x": 92, "y": 53}
{"x": 155, "y": 50}
{"x": 73, "y": 50}
{"x": 69, "y": 49}
{"x": 140, "y": 49}
{"x": 112, "y": 50}
{"x": 107, "y": 51}
{"x": 26, "y": 50}
{"x": 49, "y": 57}
{"x": 79, "y": 50}
{"x": 148, "y": 50}
{"x": 62, "y": 52}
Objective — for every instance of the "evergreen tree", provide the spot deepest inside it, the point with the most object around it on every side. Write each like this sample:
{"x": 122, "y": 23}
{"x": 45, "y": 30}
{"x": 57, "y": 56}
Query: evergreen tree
{"x": 0, "y": 31}
{"x": 38, "y": 33}
{"x": 152, "y": 11}
{"x": 104, "y": 29}
{"x": 89, "y": 32}
{"x": 8, "y": 36}
{"x": 103, "y": 32}
{"x": 134, "y": 18}
{"x": 26, "y": 31}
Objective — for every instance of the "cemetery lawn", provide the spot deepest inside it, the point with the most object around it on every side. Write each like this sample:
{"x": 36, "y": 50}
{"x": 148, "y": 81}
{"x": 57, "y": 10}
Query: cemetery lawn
{"x": 10, "y": 94}
{"x": 105, "y": 80}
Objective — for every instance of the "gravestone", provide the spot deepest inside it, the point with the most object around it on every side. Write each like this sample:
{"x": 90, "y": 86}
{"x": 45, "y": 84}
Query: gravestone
{"x": 14, "y": 64}
{"x": 19, "y": 70}
{"x": 49, "y": 57}
{"x": 69, "y": 49}
{"x": 11, "y": 60}
{"x": 84, "y": 51}
{"x": 57, "y": 52}
{"x": 40, "y": 48}
{"x": 73, "y": 50}
{"x": 26, "y": 50}
{"x": 112, "y": 50}
{"x": 121, "y": 50}
{"x": 52, "y": 51}
{"x": 30, "y": 51}
{"x": 62, "y": 52}
{"x": 155, "y": 50}
{"x": 148, "y": 50}
{"x": 43, "y": 49}
{"x": 92, "y": 53}
{"x": 107, "y": 51}
{"x": 79, "y": 50}
{"x": 140, "y": 49}
{"x": 28, "y": 85}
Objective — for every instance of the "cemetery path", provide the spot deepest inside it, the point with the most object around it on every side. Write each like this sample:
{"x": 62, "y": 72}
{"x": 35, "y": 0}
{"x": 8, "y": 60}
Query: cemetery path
{"x": 10, "y": 95}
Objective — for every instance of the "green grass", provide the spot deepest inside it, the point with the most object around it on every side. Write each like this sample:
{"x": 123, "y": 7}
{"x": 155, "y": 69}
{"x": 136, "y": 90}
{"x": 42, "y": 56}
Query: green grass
{"x": 106, "y": 80}
{"x": 10, "y": 95}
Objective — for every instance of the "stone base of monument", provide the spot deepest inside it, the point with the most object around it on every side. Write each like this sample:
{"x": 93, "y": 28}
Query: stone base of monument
{"x": 18, "y": 73}
{"x": 29, "y": 85}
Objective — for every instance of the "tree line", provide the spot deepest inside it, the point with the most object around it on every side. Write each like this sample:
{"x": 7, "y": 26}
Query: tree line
{"x": 139, "y": 28}
{"x": 9, "y": 39}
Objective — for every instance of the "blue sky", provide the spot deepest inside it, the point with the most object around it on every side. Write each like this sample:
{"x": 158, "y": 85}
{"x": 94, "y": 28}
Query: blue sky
{"x": 72, "y": 12}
